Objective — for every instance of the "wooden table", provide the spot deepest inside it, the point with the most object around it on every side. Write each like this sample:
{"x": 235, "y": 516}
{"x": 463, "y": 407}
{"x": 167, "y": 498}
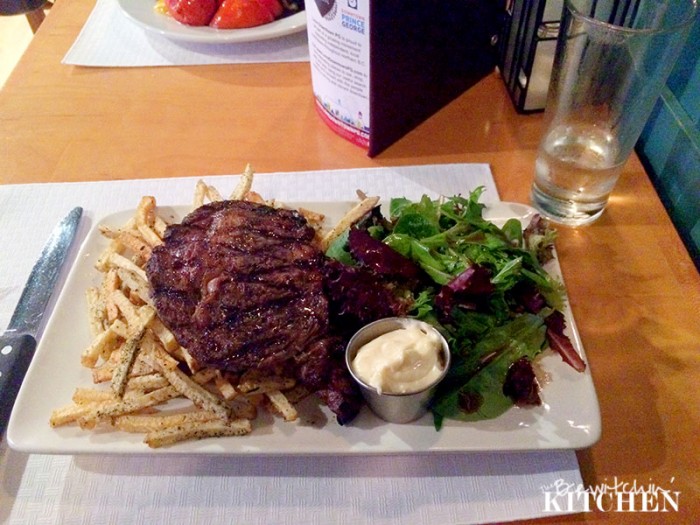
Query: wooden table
{"x": 634, "y": 290}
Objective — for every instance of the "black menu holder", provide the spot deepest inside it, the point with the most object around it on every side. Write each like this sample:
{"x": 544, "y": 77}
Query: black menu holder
{"x": 381, "y": 67}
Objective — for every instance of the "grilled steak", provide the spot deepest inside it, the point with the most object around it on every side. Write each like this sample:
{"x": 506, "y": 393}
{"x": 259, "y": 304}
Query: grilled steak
{"x": 241, "y": 286}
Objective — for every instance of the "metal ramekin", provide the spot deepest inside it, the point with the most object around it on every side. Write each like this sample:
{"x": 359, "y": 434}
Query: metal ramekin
{"x": 395, "y": 408}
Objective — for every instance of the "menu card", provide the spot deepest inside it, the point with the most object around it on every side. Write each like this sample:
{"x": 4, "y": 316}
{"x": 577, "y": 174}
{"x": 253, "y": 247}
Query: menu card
{"x": 380, "y": 68}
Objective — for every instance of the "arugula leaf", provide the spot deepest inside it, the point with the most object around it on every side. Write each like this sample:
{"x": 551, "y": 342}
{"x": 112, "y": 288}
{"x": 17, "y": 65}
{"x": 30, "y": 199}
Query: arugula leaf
{"x": 423, "y": 305}
{"x": 418, "y": 219}
{"x": 412, "y": 248}
{"x": 397, "y": 205}
{"x": 513, "y": 231}
{"x": 339, "y": 251}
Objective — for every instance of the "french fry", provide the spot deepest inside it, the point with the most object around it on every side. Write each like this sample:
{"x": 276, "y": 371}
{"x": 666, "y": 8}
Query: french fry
{"x": 254, "y": 382}
{"x": 201, "y": 397}
{"x": 83, "y": 396}
{"x": 213, "y": 194}
{"x": 165, "y": 336}
{"x": 102, "y": 262}
{"x": 224, "y": 387}
{"x": 136, "y": 285}
{"x": 154, "y": 423}
{"x": 96, "y": 311}
{"x": 183, "y": 355}
{"x": 128, "y": 354}
{"x": 116, "y": 260}
{"x": 204, "y": 376}
{"x": 70, "y": 414}
{"x": 129, "y": 240}
{"x": 281, "y": 405}
{"x": 159, "y": 226}
{"x": 200, "y": 193}
{"x": 356, "y": 213}
{"x": 110, "y": 283}
{"x": 128, "y": 309}
{"x": 218, "y": 428}
{"x": 150, "y": 236}
{"x": 104, "y": 411}
{"x": 104, "y": 372}
{"x": 152, "y": 347}
{"x": 146, "y": 211}
{"x": 146, "y": 383}
{"x": 105, "y": 342}
{"x": 253, "y": 196}
{"x": 244, "y": 184}
{"x": 89, "y": 414}
{"x": 204, "y": 192}
{"x": 118, "y": 327}
{"x": 313, "y": 218}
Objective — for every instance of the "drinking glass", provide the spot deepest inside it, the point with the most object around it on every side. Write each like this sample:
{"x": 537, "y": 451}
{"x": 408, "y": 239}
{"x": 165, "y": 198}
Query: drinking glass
{"x": 612, "y": 60}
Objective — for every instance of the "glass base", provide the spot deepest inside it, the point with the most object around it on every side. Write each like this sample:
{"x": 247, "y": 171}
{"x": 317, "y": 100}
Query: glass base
{"x": 566, "y": 212}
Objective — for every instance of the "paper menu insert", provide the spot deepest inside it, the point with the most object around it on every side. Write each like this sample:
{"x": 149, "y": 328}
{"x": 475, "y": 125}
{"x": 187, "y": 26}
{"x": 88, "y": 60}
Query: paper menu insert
{"x": 340, "y": 68}
{"x": 381, "y": 67}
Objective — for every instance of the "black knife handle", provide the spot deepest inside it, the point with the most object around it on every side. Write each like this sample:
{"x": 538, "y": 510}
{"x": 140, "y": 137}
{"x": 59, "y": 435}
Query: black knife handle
{"x": 16, "y": 352}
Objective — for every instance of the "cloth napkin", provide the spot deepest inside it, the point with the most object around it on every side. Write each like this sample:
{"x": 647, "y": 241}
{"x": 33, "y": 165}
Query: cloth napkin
{"x": 110, "y": 39}
{"x": 404, "y": 489}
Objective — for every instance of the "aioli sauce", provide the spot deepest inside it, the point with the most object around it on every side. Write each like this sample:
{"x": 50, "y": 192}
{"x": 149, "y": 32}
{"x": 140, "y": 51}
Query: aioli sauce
{"x": 403, "y": 361}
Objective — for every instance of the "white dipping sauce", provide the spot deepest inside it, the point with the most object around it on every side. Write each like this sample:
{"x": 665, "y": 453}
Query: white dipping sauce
{"x": 402, "y": 361}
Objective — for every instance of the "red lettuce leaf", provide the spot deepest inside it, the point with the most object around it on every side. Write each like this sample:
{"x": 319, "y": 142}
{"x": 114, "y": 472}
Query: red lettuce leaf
{"x": 521, "y": 383}
{"x": 529, "y": 298}
{"x": 356, "y": 296}
{"x": 380, "y": 258}
{"x": 560, "y": 342}
{"x": 470, "y": 288}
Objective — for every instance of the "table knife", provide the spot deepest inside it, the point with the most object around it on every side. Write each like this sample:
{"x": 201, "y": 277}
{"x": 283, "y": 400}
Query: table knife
{"x": 18, "y": 342}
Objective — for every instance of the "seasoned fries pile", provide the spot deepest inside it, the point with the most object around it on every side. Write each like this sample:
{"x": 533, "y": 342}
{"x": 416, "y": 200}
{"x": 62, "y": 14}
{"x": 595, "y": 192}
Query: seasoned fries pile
{"x": 138, "y": 366}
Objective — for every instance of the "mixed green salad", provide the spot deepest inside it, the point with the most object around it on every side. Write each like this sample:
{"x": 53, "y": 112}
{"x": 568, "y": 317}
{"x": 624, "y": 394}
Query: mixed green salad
{"x": 482, "y": 285}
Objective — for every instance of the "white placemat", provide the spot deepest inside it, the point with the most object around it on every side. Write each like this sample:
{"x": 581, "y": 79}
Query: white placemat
{"x": 425, "y": 489}
{"x": 110, "y": 39}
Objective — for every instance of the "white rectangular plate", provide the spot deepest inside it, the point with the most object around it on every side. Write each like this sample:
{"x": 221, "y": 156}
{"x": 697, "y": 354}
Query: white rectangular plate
{"x": 568, "y": 419}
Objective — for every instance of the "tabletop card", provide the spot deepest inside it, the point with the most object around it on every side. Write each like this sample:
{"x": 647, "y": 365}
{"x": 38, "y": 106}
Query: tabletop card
{"x": 381, "y": 68}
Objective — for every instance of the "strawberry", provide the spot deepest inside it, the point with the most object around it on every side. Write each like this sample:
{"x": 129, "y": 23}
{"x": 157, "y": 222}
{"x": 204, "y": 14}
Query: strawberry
{"x": 192, "y": 12}
{"x": 236, "y": 14}
{"x": 274, "y": 6}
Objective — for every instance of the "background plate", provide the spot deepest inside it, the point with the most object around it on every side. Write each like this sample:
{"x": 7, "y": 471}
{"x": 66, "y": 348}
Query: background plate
{"x": 142, "y": 12}
{"x": 568, "y": 419}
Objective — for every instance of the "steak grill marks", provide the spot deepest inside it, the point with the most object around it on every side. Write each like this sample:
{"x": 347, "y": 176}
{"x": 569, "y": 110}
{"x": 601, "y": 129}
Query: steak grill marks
{"x": 241, "y": 286}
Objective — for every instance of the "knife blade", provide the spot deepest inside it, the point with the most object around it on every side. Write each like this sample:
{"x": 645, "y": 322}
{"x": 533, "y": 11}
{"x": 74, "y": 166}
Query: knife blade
{"x": 19, "y": 341}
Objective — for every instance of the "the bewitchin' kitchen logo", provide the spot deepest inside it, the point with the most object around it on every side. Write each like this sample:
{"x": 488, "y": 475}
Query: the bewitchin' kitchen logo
{"x": 327, "y": 8}
{"x": 611, "y": 496}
